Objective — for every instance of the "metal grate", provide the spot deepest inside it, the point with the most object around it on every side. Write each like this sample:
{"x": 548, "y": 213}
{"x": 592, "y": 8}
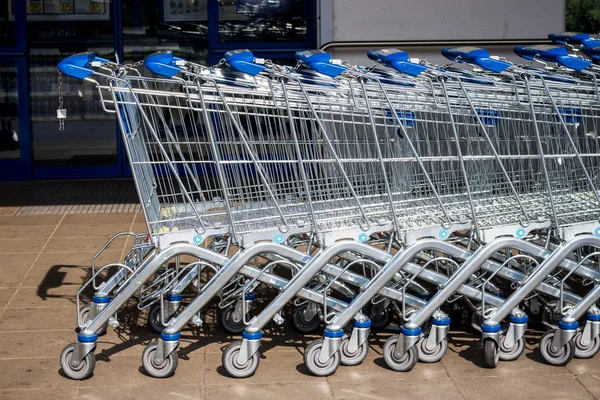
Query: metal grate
{"x": 82, "y": 197}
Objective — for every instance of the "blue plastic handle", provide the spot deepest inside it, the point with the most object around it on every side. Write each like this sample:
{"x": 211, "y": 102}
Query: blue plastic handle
{"x": 592, "y": 52}
{"x": 396, "y": 59}
{"x": 550, "y": 53}
{"x": 243, "y": 61}
{"x": 477, "y": 56}
{"x": 320, "y": 61}
{"x": 164, "y": 63}
{"x": 79, "y": 65}
{"x": 569, "y": 37}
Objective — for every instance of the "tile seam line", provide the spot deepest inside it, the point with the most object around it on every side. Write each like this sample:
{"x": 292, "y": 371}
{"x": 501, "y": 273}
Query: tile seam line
{"x": 452, "y": 380}
{"x": 32, "y": 264}
{"x": 581, "y": 383}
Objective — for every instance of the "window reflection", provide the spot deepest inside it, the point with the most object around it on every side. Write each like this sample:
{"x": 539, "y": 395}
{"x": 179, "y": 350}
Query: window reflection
{"x": 176, "y": 25}
{"x": 263, "y": 20}
{"x": 9, "y": 120}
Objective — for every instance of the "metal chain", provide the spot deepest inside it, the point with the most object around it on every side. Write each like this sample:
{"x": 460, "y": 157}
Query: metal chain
{"x": 61, "y": 121}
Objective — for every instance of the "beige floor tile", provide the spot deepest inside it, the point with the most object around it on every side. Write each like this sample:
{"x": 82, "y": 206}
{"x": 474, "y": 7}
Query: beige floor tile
{"x": 542, "y": 387}
{"x": 33, "y": 373}
{"x": 6, "y": 211}
{"x": 591, "y": 382}
{"x": 57, "y": 276}
{"x": 34, "y": 344}
{"x": 32, "y": 245}
{"x": 290, "y": 391}
{"x": 5, "y": 295}
{"x": 82, "y": 259}
{"x": 38, "y": 319}
{"x": 59, "y": 245}
{"x": 98, "y": 219}
{"x": 17, "y": 261}
{"x": 188, "y": 392}
{"x": 38, "y": 394}
{"x": 105, "y": 231}
{"x": 395, "y": 390}
{"x": 12, "y": 277}
{"x": 63, "y": 296}
{"x": 30, "y": 220}
{"x": 26, "y": 232}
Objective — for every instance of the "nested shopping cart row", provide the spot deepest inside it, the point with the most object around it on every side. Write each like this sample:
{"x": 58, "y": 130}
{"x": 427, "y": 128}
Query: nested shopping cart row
{"x": 362, "y": 194}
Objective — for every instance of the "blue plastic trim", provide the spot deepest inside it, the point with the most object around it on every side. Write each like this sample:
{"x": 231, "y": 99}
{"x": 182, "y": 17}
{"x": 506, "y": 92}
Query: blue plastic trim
{"x": 174, "y": 297}
{"x": 87, "y": 338}
{"x": 347, "y": 299}
{"x": 319, "y": 61}
{"x": 551, "y": 53}
{"x": 170, "y": 338}
{"x": 79, "y": 65}
{"x": 518, "y": 320}
{"x": 101, "y": 300}
{"x": 333, "y": 334}
{"x": 477, "y": 56}
{"x": 252, "y": 336}
{"x": 396, "y": 59}
{"x": 443, "y": 321}
{"x": 490, "y": 328}
{"x": 568, "y": 326}
{"x": 411, "y": 332}
{"x": 593, "y": 317}
{"x": 163, "y": 63}
{"x": 249, "y": 296}
{"x": 365, "y": 324}
{"x": 568, "y": 37}
{"x": 243, "y": 61}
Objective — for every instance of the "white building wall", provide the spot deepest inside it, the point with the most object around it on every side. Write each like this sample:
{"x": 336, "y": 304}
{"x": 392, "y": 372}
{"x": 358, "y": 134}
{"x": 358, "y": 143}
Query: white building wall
{"x": 376, "y": 20}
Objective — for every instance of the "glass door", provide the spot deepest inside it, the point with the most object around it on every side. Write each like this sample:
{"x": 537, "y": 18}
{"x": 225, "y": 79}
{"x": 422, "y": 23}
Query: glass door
{"x": 88, "y": 146}
{"x": 14, "y": 106}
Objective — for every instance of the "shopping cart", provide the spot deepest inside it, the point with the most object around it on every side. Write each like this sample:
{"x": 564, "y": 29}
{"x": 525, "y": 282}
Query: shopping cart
{"x": 425, "y": 170}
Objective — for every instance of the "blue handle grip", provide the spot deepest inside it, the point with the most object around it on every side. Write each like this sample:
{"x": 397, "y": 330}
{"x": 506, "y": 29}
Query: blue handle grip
{"x": 243, "y": 61}
{"x": 320, "y": 61}
{"x": 569, "y": 37}
{"x": 592, "y": 52}
{"x": 79, "y": 65}
{"x": 164, "y": 63}
{"x": 552, "y": 54}
{"x": 477, "y": 56}
{"x": 396, "y": 59}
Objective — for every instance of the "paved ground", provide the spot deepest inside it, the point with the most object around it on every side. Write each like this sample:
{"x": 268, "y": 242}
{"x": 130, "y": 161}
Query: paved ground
{"x": 44, "y": 259}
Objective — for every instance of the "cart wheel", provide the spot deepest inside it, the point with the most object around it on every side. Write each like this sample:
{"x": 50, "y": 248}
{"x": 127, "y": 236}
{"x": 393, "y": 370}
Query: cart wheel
{"x": 512, "y": 353}
{"x": 586, "y": 351}
{"x": 349, "y": 359}
{"x": 163, "y": 370}
{"x": 155, "y": 320}
{"x": 380, "y": 317}
{"x": 84, "y": 316}
{"x": 233, "y": 367}
{"x": 404, "y": 364}
{"x": 84, "y": 370}
{"x": 235, "y": 328}
{"x": 491, "y": 355}
{"x": 316, "y": 367}
{"x": 302, "y": 324}
{"x": 434, "y": 355}
{"x": 560, "y": 357}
